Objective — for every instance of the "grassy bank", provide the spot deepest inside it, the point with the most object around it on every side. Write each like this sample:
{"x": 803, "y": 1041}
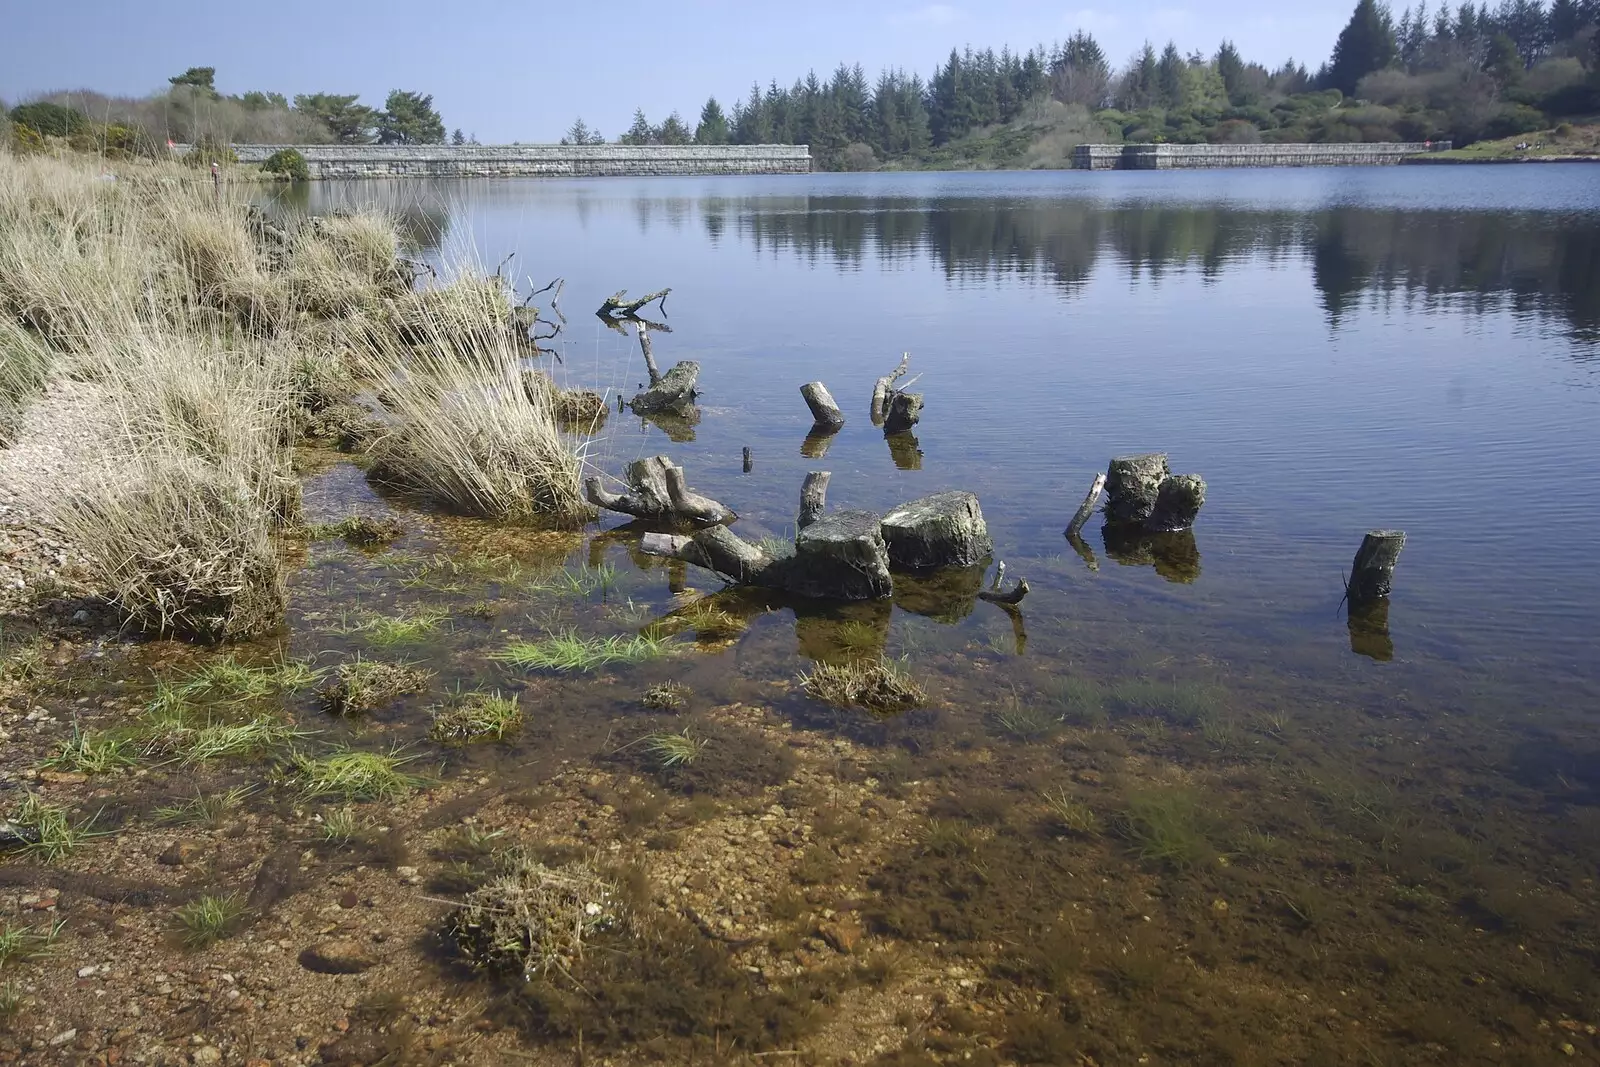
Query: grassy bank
{"x": 197, "y": 339}
{"x": 1563, "y": 143}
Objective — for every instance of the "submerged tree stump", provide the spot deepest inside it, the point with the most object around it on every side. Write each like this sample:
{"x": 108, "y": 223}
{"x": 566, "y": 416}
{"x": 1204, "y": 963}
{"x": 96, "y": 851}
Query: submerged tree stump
{"x": 1372, "y": 573}
{"x": 942, "y": 530}
{"x": 904, "y": 411}
{"x": 813, "y": 498}
{"x": 1178, "y": 503}
{"x": 825, "y": 414}
{"x": 1132, "y": 485}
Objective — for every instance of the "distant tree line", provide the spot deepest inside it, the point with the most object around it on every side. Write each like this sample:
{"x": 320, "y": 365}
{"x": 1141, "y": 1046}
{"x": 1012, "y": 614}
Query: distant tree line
{"x": 1460, "y": 74}
{"x": 193, "y": 111}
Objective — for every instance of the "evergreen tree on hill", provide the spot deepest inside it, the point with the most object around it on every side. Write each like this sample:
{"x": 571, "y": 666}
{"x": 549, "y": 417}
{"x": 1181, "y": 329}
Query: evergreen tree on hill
{"x": 1365, "y": 45}
{"x": 713, "y": 127}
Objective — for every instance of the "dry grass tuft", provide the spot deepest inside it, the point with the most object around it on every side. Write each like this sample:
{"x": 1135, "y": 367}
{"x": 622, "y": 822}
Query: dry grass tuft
{"x": 876, "y": 685}
{"x": 534, "y": 919}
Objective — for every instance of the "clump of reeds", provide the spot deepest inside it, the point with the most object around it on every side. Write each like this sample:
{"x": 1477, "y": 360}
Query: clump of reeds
{"x": 877, "y": 685}
{"x": 476, "y": 716}
{"x": 467, "y": 437}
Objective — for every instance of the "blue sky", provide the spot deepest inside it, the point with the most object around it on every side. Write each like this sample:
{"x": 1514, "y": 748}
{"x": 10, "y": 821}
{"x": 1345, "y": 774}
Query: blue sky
{"x": 523, "y": 71}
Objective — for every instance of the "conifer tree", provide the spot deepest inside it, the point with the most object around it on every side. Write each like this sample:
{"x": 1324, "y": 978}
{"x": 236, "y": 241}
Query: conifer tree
{"x": 1366, "y": 44}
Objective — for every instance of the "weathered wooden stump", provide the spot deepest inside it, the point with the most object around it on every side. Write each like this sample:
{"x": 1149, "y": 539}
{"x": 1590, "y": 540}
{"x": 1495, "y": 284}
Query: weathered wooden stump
{"x": 1086, "y": 509}
{"x": 942, "y": 530}
{"x": 841, "y": 556}
{"x": 1132, "y": 485}
{"x": 1372, "y": 573}
{"x": 749, "y": 461}
{"x": 825, "y": 414}
{"x": 1178, "y": 503}
{"x": 813, "y": 498}
{"x": 672, "y": 394}
{"x": 658, "y": 493}
{"x": 904, "y": 411}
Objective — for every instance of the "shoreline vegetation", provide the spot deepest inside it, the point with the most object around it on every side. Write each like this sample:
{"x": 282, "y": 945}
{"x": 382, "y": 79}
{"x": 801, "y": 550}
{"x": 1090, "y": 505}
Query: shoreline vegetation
{"x": 199, "y": 340}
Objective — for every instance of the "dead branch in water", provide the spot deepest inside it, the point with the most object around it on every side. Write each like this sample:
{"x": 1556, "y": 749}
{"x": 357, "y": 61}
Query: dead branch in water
{"x": 618, "y": 306}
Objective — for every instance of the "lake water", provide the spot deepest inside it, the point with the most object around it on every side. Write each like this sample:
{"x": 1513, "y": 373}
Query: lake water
{"x": 1400, "y": 825}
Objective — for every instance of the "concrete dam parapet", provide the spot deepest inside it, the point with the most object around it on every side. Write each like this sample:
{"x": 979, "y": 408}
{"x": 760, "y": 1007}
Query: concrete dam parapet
{"x": 541, "y": 161}
{"x": 1187, "y": 156}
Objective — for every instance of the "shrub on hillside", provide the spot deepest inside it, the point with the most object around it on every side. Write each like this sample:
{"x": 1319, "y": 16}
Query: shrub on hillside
{"x": 1509, "y": 120}
{"x": 114, "y": 142}
{"x": 288, "y": 164}
{"x": 52, "y": 120}
{"x": 24, "y": 139}
{"x": 207, "y": 151}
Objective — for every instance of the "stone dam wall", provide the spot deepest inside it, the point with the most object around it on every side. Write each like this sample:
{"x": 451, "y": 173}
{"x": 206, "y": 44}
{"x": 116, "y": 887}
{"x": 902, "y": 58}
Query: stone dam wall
{"x": 1184, "y": 156}
{"x": 543, "y": 161}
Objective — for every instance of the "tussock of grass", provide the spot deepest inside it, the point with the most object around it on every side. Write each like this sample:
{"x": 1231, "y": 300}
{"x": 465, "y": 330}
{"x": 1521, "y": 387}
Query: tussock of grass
{"x": 227, "y": 678}
{"x": 23, "y": 944}
{"x": 363, "y": 531}
{"x": 363, "y": 685}
{"x": 206, "y": 809}
{"x": 535, "y": 919}
{"x": 1181, "y": 703}
{"x": 172, "y": 728}
{"x": 208, "y": 920}
{"x": 877, "y": 685}
{"x": 1023, "y": 720}
{"x": 93, "y": 752}
{"x": 466, "y": 435}
{"x": 571, "y": 651}
{"x": 674, "y": 750}
{"x": 52, "y": 831}
{"x": 577, "y": 410}
{"x": 340, "y": 826}
{"x": 1164, "y": 826}
{"x": 388, "y": 630}
{"x": 708, "y": 621}
{"x": 1079, "y": 701}
{"x": 1073, "y": 816}
{"x": 476, "y": 716}
{"x": 355, "y": 775}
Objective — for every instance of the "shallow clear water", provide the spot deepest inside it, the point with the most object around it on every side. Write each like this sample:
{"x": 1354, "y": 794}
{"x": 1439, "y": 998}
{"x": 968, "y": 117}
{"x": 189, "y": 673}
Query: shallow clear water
{"x": 1333, "y": 350}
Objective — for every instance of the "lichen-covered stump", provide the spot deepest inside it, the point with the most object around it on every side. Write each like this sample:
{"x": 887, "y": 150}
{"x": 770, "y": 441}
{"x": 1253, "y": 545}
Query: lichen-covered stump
{"x": 1178, "y": 503}
{"x": 903, "y": 412}
{"x": 841, "y": 556}
{"x": 942, "y": 530}
{"x": 673, "y": 394}
{"x": 825, "y": 414}
{"x": 1132, "y": 485}
{"x": 1372, "y": 573}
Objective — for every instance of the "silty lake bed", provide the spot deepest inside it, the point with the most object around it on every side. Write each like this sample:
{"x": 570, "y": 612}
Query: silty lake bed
{"x": 1168, "y": 811}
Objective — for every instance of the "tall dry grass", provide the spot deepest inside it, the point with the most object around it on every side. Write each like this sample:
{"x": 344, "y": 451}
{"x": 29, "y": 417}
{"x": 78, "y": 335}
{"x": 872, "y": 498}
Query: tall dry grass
{"x": 465, "y": 433}
{"x": 207, "y": 337}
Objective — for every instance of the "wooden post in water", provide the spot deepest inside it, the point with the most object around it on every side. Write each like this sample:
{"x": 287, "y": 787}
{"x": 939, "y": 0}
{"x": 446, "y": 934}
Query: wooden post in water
{"x": 825, "y": 414}
{"x": 749, "y": 463}
{"x": 813, "y": 498}
{"x": 1086, "y": 509}
{"x": 1372, "y": 573}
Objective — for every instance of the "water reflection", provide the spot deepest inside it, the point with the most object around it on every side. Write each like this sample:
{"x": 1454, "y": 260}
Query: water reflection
{"x": 1546, "y": 262}
{"x": 1175, "y": 556}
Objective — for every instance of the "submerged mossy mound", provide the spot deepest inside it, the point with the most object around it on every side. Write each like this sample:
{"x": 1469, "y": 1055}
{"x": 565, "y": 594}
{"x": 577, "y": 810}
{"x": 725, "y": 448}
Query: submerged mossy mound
{"x": 581, "y": 953}
{"x": 366, "y": 685}
{"x": 579, "y": 410}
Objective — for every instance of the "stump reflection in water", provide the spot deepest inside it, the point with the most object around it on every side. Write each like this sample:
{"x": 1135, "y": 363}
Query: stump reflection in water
{"x": 1175, "y": 556}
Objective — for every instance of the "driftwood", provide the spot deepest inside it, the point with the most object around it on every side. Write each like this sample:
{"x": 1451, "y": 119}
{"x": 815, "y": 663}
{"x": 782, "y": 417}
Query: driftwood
{"x": 825, "y": 414}
{"x": 618, "y": 306}
{"x": 1086, "y": 509}
{"x": 885, "y": 385}
{"x": 996, "y": 595}
{"x": 659, "y": 494}
{"x": 813, "y": 498}
{"x": 672, "y": 393}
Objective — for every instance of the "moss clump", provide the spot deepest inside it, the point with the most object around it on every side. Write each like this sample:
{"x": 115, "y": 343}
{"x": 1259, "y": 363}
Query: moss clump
{"x": 876, "y": 685}
{"x": 667, "y": 696}
{"x": 476, "y": 716}
{"x": 364, "y": 685}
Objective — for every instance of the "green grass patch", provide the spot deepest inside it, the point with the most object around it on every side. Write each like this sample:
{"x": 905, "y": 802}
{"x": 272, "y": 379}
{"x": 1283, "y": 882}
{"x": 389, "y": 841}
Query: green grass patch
{"x": 228, "y": 679}
{"x": 94, "y": 752}
{"x": 206, "y": 809}
{"x": 54, "y": 833}
{"x": 208, "y": 920}
{"x": 174, "y": 729}
{"x": 579, "y": 584}
{"x": 386, "y": 631}
{"x": 877, "y": 685}
{"x": 1181, "y": 703}
{"x": 1165, "y": 827}
{"x": 674, "y": 750}
{"x": 1071, "y": 815}
{"x": 23, "y": 944}
{"x": 1025, "y": 720}
{"x": 476, "y": 716}
{"x": 355, "y": 775}
{"x": 568, "y": 650}
{"x": 362, "y": 531}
